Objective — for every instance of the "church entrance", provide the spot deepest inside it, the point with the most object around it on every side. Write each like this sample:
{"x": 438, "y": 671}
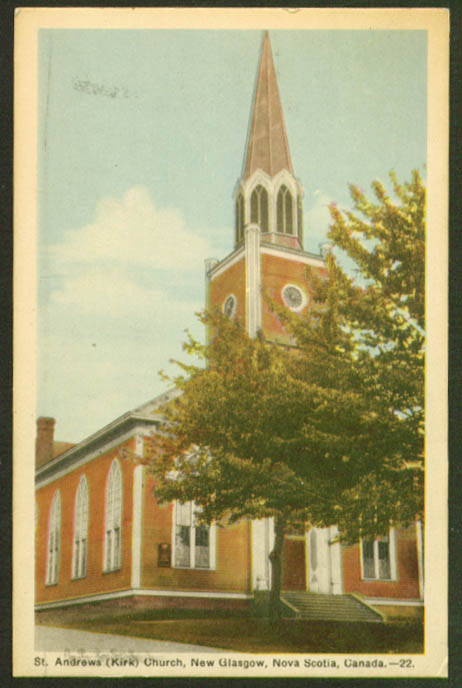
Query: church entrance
{"x": 320, "y": 574}
{"x": 294, "y": 563}
{"x": 324, "y": 561}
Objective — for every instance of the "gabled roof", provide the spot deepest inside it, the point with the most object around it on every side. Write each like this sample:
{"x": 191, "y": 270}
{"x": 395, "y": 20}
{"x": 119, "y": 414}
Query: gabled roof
{"x": 268, "y": 147}
{"x": 149, "y": 414}
{"x": 153, "y": 406}
{"x": 57, "y": 449}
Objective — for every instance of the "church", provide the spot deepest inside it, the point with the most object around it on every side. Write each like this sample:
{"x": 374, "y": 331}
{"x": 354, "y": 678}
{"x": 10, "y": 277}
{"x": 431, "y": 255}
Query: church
{"x": 100, "y": 535}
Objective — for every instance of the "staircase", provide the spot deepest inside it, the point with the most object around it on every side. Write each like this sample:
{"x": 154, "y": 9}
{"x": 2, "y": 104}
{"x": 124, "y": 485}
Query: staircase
{"x": 314, "y": 606}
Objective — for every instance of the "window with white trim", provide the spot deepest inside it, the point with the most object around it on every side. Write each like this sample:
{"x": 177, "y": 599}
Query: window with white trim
{"x": 378, "y": 558}
{"x": 300, "y": 221}
{"x": 284, "y": 211}
{"x": 80, "y": 543}
{"x": 193, "y": 543}
{"x": 259, "y": 207}
{"x": 54, "y": 538}
{"x": 113, "y": 519}
{"x": 240, "y": 221}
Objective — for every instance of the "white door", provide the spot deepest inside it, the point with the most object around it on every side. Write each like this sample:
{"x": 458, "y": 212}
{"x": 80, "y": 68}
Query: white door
{"x": 319, "y": 560}
{"x": 324, "y": 561}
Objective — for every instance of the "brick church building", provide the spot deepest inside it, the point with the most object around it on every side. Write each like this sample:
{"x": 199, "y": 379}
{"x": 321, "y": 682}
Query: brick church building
{"x": 100, "y": 534}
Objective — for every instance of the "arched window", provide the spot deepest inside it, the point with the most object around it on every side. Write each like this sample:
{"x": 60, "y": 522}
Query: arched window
{"x": 284, "y": 211}
{"x": 113, "y": 519}
{"x": 79, "y": 555}
{"x": 300, "y": 221}
{"x": 54, "y": 537}
{"x": 240, "y": 221}
{"x": 259, "y": 207}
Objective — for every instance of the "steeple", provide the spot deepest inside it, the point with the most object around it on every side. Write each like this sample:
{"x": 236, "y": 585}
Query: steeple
{"x": 268, "y": 259}
{"x": 268, "y": 195}
{"x": 268, "y": 147}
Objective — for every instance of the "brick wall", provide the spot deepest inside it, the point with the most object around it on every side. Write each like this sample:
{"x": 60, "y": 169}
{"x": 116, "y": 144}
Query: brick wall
{"x": 276, "y": 273}
{"x": 232, "y": 572}
{"x": 95, "y": 581}
{"x": 231, "y": 281}
{"x": 406, "y": 584}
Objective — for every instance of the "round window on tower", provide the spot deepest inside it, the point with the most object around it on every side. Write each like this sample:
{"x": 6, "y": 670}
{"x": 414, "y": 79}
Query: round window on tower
{"x": 293, "y": 297}
{"x": 229, "y": 306}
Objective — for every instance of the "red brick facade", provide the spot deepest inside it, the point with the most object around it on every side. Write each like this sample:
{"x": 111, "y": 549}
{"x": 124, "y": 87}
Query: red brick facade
{"x": 230, "y": 574}
{"x": 277, "y": 272}
{"x": 406, "y": 583}
{"x": 231, "y": 281}
{"x": 228, "y": 581}
{"x": 96, "y": 581}
{"x": 232, "y": 571}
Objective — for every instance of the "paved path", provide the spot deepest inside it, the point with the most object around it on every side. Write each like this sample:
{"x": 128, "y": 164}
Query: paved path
{"x": 49, "y": 639}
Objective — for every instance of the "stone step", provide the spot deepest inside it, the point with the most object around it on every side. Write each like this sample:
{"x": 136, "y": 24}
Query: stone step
{"x": 316, "y": 606}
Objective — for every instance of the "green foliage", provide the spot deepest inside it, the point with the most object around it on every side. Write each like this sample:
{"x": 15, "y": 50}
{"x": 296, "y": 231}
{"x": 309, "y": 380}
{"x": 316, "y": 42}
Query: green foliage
{"x": 330, "y": 430}
{"x": 231, "y": 439}
{"x": 385, "y": 319}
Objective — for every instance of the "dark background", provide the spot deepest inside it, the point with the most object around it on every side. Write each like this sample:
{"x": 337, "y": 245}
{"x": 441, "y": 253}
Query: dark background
{"x": 455, "y": 347}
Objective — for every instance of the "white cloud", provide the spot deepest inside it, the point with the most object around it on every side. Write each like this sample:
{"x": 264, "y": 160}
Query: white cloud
{"x": 99, "y": 291}
{"x": 132, "y": 231}
{"x": 113, "y": 319}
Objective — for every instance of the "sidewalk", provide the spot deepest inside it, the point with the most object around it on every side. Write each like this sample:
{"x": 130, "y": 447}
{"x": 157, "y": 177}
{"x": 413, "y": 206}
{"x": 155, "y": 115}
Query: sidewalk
{"x": 49, "y": 639}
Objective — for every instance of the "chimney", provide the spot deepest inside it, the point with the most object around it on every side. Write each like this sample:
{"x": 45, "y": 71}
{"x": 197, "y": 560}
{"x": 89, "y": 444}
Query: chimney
{"x": 44, "y": 440}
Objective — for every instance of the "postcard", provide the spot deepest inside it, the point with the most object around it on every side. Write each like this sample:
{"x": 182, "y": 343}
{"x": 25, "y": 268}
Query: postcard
{"x": 279, "y": 510}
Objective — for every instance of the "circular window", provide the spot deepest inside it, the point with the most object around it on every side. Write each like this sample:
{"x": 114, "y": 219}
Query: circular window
{"x": 229, "y": 307}
{"x": 293, "y": 297}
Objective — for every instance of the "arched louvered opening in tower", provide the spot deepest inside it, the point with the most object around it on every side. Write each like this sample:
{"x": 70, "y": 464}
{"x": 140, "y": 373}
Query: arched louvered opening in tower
{"x": 285, "y": 219}
{"x": 300, "y": 221}
{"x": 259, "y": 207}
{"x": 240, "y": 218}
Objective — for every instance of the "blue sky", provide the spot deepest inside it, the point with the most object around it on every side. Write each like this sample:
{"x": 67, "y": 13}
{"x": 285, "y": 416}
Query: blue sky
{"x": 141, "y": 142}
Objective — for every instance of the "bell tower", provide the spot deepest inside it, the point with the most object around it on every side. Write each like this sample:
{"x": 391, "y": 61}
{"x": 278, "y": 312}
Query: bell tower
{"x": 268, "y": 194}
{"x": 268, "y": 259}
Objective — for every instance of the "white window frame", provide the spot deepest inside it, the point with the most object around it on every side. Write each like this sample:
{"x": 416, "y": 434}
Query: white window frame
{"x": 54, "y": 541}
{"x": 80, "y": 535}
{"x": 112, "y": 560}
{"x": 392, "y": 555}
{"x": 192, "y": 545}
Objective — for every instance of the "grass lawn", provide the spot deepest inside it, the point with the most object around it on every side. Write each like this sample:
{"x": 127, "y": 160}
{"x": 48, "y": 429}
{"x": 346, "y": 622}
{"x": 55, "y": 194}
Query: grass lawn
{"x": 254, "y": 635}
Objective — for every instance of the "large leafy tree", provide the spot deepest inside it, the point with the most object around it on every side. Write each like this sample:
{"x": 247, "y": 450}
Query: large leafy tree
{"x": 383, "y": 310}
{"x": 232, "y": 442}
{"x": 327, "y": 430}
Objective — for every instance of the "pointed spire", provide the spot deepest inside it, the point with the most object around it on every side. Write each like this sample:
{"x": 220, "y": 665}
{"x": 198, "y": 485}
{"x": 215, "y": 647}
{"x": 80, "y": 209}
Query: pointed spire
{"x": 268, "y": 148}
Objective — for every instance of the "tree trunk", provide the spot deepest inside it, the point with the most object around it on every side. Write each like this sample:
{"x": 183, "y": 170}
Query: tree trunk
{"x": 276, "y": 569}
